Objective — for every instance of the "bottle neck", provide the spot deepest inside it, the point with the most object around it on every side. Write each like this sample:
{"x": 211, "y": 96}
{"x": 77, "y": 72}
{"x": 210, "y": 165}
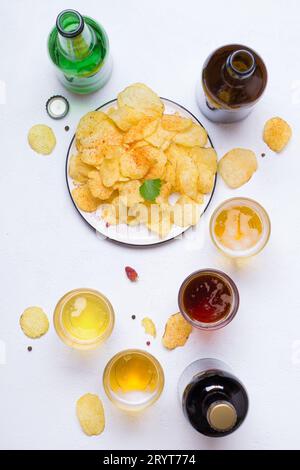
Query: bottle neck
{"x": 74, "y": 36}
{"x": 240, "y": 65}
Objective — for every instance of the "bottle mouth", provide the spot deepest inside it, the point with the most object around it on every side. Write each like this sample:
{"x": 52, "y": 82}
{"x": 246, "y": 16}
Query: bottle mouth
{"x": 242, "y": 62}
{"x": 69, "y": 23}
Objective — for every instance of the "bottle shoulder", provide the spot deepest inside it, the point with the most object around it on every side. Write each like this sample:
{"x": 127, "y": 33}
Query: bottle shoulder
{"x": 229, "y": 92}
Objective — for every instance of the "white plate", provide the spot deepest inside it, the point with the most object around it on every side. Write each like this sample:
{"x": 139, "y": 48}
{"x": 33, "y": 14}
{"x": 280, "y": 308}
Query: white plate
{"x": 122, "y": 233}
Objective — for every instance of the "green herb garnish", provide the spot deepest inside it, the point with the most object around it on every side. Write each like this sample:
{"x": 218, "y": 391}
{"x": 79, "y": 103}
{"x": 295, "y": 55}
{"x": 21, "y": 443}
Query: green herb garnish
{"x": 150, "y": 189}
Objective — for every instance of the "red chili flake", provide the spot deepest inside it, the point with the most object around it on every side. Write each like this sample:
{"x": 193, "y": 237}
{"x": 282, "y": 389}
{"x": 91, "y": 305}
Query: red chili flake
{"x": 107, "y": 225}
{"x": 148, "y": 343}
{"x": 131, "y": 273}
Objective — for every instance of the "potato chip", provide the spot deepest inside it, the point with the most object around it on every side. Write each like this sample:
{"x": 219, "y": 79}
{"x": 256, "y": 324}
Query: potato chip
{"x": 186, "y": 212}
{"x": 205, "y": 156}
{"x": 170, "y": 173}
{"x": 135, "y": 163}
{"x": 165, "y": 191}
{"x": 109, "y": 213}
{"x": 160, "y": 219}
{"x": 92, "y": 156}
{"x": 140, "y": 143}
{"x": 206, "y": 162}
{"x": 84, "y": 199}
{"x": 78, "y": 170}
{"x": 161, "y": 138}
{"x": 144, "y": 128}
{"x": 194, "y": 135}
{"x": 277, "y": 134}
{"x": 199, "y": 199}
{"x": 130, "y": 193}
{"x": 41, "y": 139}
{"x": 175, "y": 122}
{"x": 187, "y": 177}
{"x": 115, "y": 212}
{"x": 96, "y": 186}
{"x": 138, "y": 214}
{"x": 237, "y": 167}
{"x": 34, "y": 322}
{"x": 176, "y": 152}
{"x": 177, "y": 331}
{"x": 158, "y": 163}
{"x": 110, "y": 171}
{"x": 96, "y": 129}
{"x": 88, "y": 125}
{"x": 149, "y": 326}
{"x": 153, "y": 154}
{"x": 206, "y": 180}
{"x": 141, "y": 98}
{"x": 113, "y": 151}
{"x": 124, "y": 117}
{"x": 90, "y": 413}
{"x": 176, "y": 155}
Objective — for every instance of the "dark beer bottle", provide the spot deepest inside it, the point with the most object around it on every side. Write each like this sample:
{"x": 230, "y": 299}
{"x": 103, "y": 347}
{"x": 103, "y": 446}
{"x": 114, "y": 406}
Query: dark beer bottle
{"x": 213, "y": 400}
{"x": 234, "y": 78}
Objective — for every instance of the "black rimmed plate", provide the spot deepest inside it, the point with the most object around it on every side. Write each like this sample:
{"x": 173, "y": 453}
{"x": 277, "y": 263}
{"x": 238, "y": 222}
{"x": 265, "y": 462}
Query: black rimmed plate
{"x": 134, "y": 235}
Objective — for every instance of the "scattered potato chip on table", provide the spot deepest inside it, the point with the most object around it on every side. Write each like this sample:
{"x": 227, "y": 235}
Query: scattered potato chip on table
{"x": 34, "y": 322}
{"x": 149, "y": 326}
{"x": 90, "y": 413}
{"x": 237, "y": 167}
{"x": 177, "y": 331}
{"x": 41, "y": 139}
{"x": 277, "y": 134}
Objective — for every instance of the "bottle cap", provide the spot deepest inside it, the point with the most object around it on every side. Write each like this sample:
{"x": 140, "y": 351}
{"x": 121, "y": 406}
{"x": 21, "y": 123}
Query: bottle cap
{"x": 221, "y": 416}
{"x": 57, "y": 107}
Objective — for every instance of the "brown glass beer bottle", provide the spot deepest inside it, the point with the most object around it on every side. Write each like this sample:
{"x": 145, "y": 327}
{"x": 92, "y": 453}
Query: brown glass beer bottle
{"x": 234, "y": 78}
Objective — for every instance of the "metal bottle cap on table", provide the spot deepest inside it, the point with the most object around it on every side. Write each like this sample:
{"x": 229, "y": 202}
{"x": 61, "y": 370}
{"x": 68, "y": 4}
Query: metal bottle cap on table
{"x": 57, "y": 107}
{"x": 221, "y": 416}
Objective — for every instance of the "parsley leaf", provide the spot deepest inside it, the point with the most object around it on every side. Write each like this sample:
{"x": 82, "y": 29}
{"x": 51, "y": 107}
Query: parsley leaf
{"x": 150, "y": 189}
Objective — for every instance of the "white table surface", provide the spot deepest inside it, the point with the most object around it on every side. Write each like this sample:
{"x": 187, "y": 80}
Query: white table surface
{"x": 47, "y": 250}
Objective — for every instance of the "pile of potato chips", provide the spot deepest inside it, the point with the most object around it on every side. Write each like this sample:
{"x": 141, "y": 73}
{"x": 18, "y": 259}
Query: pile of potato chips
{"x": 134, "y": 142}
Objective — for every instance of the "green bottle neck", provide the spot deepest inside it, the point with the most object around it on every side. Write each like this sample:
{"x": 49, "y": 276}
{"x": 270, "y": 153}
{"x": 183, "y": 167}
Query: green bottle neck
{"x": 75, "y": 37}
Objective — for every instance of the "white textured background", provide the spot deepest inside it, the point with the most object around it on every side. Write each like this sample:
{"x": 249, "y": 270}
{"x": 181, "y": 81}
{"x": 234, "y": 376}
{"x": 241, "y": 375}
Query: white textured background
{"x": 46, "y": 249}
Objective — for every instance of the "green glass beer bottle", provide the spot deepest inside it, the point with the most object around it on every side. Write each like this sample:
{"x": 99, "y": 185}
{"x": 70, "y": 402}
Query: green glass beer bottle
{"x": 79, "y": 48}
